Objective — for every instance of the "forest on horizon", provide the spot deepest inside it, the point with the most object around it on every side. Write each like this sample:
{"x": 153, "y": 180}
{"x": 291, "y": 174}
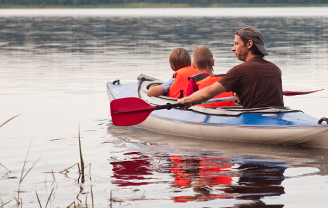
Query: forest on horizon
{"x": 158, "y": 2}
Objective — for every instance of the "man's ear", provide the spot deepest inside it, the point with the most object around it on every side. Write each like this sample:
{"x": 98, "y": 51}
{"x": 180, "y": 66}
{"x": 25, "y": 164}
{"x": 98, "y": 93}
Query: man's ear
{"x": 193, "y": 65}
{"x": 213, "y": 61}
{"x": 249, "y": 44}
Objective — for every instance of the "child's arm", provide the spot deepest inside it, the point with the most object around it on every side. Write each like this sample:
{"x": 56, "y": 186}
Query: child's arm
{"x": 160, "y": 89}
{"x": 155, "y": 91}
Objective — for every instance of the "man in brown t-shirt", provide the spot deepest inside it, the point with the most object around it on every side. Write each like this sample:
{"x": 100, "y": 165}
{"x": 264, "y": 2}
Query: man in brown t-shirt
{"x": 256, "y": 82}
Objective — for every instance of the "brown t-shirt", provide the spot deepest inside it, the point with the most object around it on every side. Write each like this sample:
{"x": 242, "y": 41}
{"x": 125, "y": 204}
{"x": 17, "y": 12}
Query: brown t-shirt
{"x": 256, "y": 82}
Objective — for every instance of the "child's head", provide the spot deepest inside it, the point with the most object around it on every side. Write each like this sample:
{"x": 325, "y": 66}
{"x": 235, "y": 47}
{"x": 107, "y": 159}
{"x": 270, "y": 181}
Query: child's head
{"x": 179, "y": 58}
{"x": 203, "y": 58}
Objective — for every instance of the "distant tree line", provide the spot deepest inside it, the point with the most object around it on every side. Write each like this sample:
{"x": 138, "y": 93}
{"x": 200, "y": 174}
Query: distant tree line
{"x": 189, "y": 2}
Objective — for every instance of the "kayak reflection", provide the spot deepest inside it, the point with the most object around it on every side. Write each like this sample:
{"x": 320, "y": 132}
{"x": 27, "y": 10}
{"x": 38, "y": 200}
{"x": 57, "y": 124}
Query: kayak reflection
{"x": 255, "y": 180}
{"x": 259, "y": 180}
{"x": 208, "y": 177}
{"x": 132, "y": 170}
{"x": 202, "y": 174}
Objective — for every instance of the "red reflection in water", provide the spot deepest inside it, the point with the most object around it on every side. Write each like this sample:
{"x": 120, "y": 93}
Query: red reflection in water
{"x": 134, "y": 169}
{"x": 202, "y": 175}
{"x": 205, "y": 175}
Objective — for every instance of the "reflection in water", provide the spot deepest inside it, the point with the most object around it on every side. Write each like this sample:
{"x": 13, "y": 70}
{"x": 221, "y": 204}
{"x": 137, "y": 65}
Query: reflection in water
{"x": 210, "y": 178}
{"x": 132, "y": 172}
{"x": 202, "y": 175}
{"x": 259, "y": 180}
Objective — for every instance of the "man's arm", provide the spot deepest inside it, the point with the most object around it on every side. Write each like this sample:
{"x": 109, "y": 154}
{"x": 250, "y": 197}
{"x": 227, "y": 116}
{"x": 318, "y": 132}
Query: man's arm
{"x": 203, "y": 94}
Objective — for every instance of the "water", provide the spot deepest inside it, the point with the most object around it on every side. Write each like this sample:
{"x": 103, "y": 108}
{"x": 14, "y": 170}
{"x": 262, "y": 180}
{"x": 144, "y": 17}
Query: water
{"x": 54, "y": 67}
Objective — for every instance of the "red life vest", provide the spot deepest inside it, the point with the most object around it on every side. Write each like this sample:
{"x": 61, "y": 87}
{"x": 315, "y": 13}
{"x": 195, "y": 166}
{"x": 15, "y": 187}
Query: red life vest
{"x": 203, "y": 81}
{"x": 180, "y": 83}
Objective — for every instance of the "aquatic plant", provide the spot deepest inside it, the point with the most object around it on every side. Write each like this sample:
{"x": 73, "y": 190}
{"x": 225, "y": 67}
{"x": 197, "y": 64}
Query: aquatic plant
{"x": 81, "y": 158}
{"x": 1, "y": 205}
{"x": 4, "y": 167}
{"x": 8, "y": 120}
{"x": 0, "y": 127}
{"x": 80, "y": 165}
{"x": 37, "y": 196}
{"x": 25, "y": 171}
{"x": 23, "y": 174}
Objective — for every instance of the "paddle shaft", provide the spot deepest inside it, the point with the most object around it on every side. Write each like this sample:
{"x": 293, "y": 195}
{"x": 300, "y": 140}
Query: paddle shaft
{"x": 168, "y": 106}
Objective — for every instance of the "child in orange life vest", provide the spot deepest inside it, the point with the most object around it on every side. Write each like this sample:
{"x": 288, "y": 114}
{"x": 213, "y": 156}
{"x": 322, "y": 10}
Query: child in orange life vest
{"x": 203, "y": 61}
{"x": 180, "y": 63}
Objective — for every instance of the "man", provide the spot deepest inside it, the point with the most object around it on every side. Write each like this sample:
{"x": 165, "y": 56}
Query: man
{"x": 256, "y": 82}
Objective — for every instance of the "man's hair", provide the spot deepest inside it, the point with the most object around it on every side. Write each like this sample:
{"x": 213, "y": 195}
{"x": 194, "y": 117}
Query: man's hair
{"x": 254, "y": 50}
{"x": 202, "y": 57}
{"x": 179, "y": 58}
{"x": 247, "y": 33}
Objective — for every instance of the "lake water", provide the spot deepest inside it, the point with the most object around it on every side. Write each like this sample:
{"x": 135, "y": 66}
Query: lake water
{"x": 54, "y": 65}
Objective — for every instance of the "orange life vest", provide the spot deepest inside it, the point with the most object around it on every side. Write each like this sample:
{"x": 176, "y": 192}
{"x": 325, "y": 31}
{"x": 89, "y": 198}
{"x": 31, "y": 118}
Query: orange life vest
{"x": 180, "y": 83}
{"x": 203, "y": 81}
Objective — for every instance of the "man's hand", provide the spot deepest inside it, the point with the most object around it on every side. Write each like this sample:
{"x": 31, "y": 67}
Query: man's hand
{"x": 202, "y": 95}
{"x": 237, "y": 99}
{"x": 186, "y": 105}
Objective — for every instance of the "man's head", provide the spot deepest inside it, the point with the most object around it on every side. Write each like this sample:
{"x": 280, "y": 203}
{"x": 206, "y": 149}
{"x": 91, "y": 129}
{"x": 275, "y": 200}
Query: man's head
{"x": 203, "y": 58}
{"x": 252, "y": 40}
{"x": 179, "y": 58}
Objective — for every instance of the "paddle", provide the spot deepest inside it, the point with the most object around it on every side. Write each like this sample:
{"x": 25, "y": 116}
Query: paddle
{"x": 292, "y": 93}
{"x": 131, "y": 110}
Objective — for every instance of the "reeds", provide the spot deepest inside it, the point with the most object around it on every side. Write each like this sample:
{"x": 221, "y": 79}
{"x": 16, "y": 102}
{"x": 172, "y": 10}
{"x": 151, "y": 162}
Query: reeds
{"x": 25, "y": 171}
{"x": 4, "y": 203}
{"x": 4, "y": 167}
{"x": 80, "y": 165}
{"x": 0, "y": 127}
{"x": 23, "y": 174}
{"x": 81, "y": 178}
{"x": 22, "y": 177}
{"x": 8, "y": 120}
{"x": 37, "y": 196}
{"x": 81, "y": 158}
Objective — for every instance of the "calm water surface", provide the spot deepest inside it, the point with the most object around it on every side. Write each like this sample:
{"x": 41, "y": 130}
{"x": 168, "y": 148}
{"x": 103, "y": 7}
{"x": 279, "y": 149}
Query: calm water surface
{"x": 54, "y": 65}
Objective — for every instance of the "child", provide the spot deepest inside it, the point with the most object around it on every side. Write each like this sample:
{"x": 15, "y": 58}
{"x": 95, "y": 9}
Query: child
{"x": 180, "y": 62}
{"x": 203, "y": 61}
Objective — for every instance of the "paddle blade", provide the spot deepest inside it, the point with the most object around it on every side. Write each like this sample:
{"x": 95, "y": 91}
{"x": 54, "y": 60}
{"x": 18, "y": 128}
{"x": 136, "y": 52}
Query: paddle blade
{"x": 129, "y": 111}
{"x": 292, "y": 93}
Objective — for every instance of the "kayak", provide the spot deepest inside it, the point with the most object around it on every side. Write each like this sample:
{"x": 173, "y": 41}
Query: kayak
{"x": 270, "y": 125}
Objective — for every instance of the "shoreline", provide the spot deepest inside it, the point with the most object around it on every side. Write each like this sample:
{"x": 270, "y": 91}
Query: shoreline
{"x": 145, "y": 5}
